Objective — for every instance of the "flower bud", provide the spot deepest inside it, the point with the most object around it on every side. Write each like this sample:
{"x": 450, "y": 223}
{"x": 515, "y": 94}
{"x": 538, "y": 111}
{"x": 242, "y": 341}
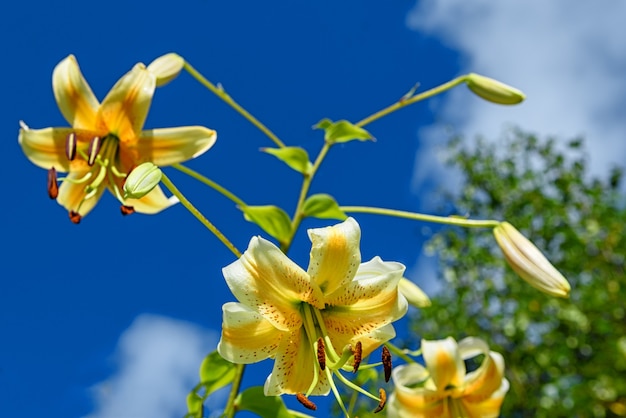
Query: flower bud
{"x": 493, "y": 90}
{"x": 142, "y": 180}
{"x": 166, "y": 68}
{"x": 527, "y": 261}
{"x": 413, "y": 294}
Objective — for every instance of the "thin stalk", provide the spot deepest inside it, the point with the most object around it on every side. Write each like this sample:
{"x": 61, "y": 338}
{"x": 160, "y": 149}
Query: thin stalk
{"x": 219, "y": 92}
{"x": 229, "y": 412}
{"x": 202, "y": 179}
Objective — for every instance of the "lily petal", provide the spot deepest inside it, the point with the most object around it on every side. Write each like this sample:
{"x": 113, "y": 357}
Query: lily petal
{"x": 173, "y": 145}
{"x": 166, "y": 67}
{"x": 124, "y": 110}
{"x": 247, "y": 337}
{"x": 153, "y": 202}
{"x": 335, "y": 255}
{"x": 267, "y": 281}
{"x": 489, "y": 408}
{"x": 76, "y": 101}
{"x": 71, "y": 194}
{"x": 444, "y": 363}
{"x": 482, "y": 382}
{"x": 410, "y": 401}
{"x": 46, "y": 147}
{"x": 295, "y": 366}
{"x": 368, "y": 302}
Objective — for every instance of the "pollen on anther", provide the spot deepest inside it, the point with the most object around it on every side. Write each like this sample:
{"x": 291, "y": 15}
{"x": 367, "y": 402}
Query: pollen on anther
{"x": 386, "y": 359}
{"x": 94, "y": 149}
{"x": 70, "y": 146}
{"x": 53, "y": 187}
{"x": 306, "y": 402}
{"x": 321, "y": 353}
{"x": 358, "y": 353}
{"x": 127, "y": 210}
{"x": 383, "y": 400}
{"x": 75, "y": 217}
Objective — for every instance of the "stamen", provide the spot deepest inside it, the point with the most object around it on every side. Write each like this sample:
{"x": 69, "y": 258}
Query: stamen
{"x": 386, "y": 358}
{"x": 94, "y": 149}
{"x": 75, "y": 217}
{"x": 383, "y": 400}
{"x": 358, "y": 353}
{"x": 321, "y": 353}
{"x": 53, "y": 187}
{"x": 128, "y": 210}
{"x": 306, "y": 402}
{"x": 70, "y": 146}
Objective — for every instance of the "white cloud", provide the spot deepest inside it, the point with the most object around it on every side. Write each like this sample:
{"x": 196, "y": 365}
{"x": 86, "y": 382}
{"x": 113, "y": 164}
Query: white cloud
{"x": 568, "y": 57}
{"x": 158, "y": 361}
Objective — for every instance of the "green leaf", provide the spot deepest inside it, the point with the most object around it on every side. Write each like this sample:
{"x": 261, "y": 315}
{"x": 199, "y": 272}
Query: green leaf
{"x": 254, "y": 400}
{"x": 194, "y": 404}
{"x": 342, "y": 131}
{"x": 215, "y": 373}
{"x": 323, "y": 206}
{"x": 295, "y": 157}
{"x": 271, "y": 219}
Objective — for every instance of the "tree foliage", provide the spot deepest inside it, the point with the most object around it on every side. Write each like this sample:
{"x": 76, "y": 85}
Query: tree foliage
{"x": 563, "y": 357}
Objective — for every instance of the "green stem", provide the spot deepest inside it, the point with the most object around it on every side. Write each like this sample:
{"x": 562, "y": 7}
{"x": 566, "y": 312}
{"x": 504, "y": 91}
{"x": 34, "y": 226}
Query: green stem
{"x": 414, "y": 99}
{"x": 447, "y": 220}
{"x": 230, "y": 410}
{"x": 195, "y": 212}
{"x": 219, "y": 92}
{"x": 210, "y": 183}
{"x": 399, "y": 352}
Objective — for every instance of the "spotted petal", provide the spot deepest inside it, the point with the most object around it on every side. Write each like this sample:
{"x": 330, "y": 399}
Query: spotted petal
{"x": 76, "y": 101}
{"x": 295, "y": 367}
{"x": 247, "y": 337}
{"x": 444, "y": 362}
{"x": 335, "y": 255}
{"x": 124, "y": 110}
{"x": 174, "y": 145}
{"x": 268, "y": 282}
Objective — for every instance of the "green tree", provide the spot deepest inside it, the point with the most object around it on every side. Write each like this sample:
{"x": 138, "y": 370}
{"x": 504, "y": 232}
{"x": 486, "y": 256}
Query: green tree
{"x": 563, "y": 357}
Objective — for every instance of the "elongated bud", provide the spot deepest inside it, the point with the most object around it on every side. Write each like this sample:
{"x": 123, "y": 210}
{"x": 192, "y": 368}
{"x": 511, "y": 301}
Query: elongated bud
{"x": 321, "y": 353}
{"x": 94, "y": 149}
{"x": 413, "y": 294}
{"x": 53, "y": 187}
{"x": 306, "y": 401}
{"x": 493, "y": 90}
{"x": 387, "y": 366}
{"x": 70, "y": 146}
{"x": 166, "y": 68}
{"x": 127, "y": 210}
{"x": 528, "y": 262}
{"x": 142, "y": 180}
{"x": 383, "y": 400}
{"x": 358, "y": 356}
{"x": 75, "y": 217}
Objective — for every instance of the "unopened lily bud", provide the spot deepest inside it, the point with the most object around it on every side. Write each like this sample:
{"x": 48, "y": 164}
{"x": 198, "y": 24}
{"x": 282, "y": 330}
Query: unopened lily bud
{"x": 166, "y": 68}
{"x": 142, "y": 180}
{"x": 528, "y": 262}
{"x": 413, "y": 294}
{"x": 493, "y": 90}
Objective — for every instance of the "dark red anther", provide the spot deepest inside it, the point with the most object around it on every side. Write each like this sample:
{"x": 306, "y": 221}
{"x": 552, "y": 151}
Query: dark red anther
{"x": 53, "y": 187}
{"x": 94, "y": 149}
{"x": 70, "y": 146}
{"x": 127, "y": 210}
{"x": 75, "y": 217}
{"x": 306, "y": 401}
{"x": 321, "y": 353}
{"x": 386, "y": 358}
{"x": 358, "y": 356}
{"x": 383, "y": 400}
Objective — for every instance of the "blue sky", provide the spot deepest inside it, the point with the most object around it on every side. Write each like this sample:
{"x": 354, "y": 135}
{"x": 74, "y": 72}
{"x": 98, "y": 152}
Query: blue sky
{"x": 110, "y": 318}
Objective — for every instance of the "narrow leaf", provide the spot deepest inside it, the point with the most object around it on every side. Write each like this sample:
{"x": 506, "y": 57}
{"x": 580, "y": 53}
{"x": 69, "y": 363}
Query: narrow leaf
{"x": 194, "y": 405}
{"x": 295, "y": 157}
{"x": 271, "y": 219}
{"x": 323, "y": 206}
{"x": 342, "y": 131}
{"x": 215, "y": 373}
{"x": 254, "y": 400}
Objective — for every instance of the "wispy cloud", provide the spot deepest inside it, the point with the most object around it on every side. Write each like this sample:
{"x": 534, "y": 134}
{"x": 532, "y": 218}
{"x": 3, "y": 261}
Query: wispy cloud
{"x": 568, "y": 57}
{"x": 158, "y": 360}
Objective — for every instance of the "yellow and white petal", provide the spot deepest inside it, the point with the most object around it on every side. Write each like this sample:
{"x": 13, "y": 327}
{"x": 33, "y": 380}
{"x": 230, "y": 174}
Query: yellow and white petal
{"x": 247, "y": 337}
{"x": 409, "y": 398}
{"x": 71, "y": 195}
{"x": 369, "y": 342}
{"x": 124, "y": 110}
{"x": 265, "y": 280}
{"x": 153, "y": 202}
{"x": 74, "y": 97}
{"x": 295, "y": 367}
{"x": 444, "y": 362}
{"x": 487, "y": 378}
{"x": 46, "y": 147}
{"x": 174, "y": 145}
{"x": 488, "y": 408}
{"x": 335, "y": 255}
{"x": 166, "y": 68}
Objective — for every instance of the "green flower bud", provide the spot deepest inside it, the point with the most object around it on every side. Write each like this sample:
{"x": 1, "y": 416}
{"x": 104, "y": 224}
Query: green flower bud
{"x": 142, "y": 180}
{"x": 529, "y": 263}
{"x": 166, "y": 68}
{"x": 493, "y": 90}
{"x": 413, "y": 294}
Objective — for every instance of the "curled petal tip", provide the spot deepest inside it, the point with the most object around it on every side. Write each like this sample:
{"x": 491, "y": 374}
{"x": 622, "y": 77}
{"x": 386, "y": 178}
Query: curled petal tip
{"x": 166, "y": 68}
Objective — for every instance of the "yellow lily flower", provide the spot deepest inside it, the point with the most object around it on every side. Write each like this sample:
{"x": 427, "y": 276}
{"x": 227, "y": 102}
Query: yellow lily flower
{"x": 105, "y": 141}
{"x": 284, "y": 312}
{"x": 444, "y": 388}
